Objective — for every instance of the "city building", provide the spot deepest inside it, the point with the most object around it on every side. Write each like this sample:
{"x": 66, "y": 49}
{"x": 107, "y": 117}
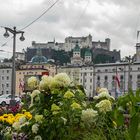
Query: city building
{"x": 20, "y": 56}
{"x": 83, "y": 42}
{"x": 105, "y": 45}
{"x": 28, "y": 70}
{"x": 38, "y": 66}
{"x": 5, "y": 78}
{"x": 104, "y": 75}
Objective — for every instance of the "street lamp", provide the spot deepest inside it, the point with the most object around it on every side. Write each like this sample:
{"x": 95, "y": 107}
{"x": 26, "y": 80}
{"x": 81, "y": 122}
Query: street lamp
{"x": 13, "y": 81}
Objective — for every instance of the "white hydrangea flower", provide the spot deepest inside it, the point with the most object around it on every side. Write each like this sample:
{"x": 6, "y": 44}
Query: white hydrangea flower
{"x": 16, "y": 125}
{"x": 104, "y": 106}
{"x": 61, "y": 80}
{"x": 89, "y": 115}
{"x": 104, "y": 94}
{"x": 38, "y": 137}
{"x": 35, "y": 128}
{"x": 35, "y": 93}
{"x": 22, "y": 119}
{"x": 45, "y": 82}
{"x": 103, "y": 90}
{"x": 32, "y": 82}
{"x": 96, "y": 97}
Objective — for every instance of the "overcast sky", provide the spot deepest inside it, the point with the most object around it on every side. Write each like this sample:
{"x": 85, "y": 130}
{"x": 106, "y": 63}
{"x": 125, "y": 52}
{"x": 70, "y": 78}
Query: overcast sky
{"x": 118, "y": 20}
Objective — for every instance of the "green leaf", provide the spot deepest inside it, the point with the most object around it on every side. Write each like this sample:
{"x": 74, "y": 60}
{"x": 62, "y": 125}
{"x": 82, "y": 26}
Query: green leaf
{"x": 134, "y": 126}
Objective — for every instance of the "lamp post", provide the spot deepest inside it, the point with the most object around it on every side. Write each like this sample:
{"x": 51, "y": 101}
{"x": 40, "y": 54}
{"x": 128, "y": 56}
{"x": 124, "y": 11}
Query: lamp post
{"x": 130, "y": 61}
{"x": 13, "y": 80}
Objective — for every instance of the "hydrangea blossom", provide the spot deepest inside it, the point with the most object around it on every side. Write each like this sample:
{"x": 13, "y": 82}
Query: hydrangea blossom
{"x": 45, "y": 82}
{"x": 35, "y": 128}
{"x": 68, "y": 95}
{"x": 32, "y": 82}
{"x": 16, "y": 125}
{"x": 75, "y": 106}
{"x": 104, "y": 106}
{"x": 89, "y": 115}
{"x": 38, "y": 137}
{"x": 60, "y": 80}
{"x": 39, "y": 118}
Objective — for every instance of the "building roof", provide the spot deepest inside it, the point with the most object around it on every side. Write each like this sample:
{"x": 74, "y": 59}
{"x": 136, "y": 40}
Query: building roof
{"x": 39, "y": 58}
{"x": 76, "y": 48}
{"x": 87, "y": 52}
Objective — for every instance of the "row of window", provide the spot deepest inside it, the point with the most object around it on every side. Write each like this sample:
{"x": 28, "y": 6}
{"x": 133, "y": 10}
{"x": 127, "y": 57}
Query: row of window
{"x": 30, "y": 72}
{"x": 114, "y": 70}
{"x": 5, "y": 78}
{"x": 7, "y": 92}
{"x": 7, "y": 85}
{"x": 5, "y": 71}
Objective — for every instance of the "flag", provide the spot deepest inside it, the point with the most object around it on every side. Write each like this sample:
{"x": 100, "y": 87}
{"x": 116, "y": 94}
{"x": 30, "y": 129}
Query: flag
{"x": 117, "y": 79}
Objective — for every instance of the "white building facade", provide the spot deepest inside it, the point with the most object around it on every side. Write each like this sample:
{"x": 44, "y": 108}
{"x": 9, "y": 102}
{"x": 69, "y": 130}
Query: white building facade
{"x": 104, "y": 75}
{"x": 5, "y": 79}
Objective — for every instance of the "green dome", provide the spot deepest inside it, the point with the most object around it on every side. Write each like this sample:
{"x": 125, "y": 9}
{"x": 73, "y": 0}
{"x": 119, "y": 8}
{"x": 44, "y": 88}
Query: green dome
{"x": 39, "y": 59}
{"x": 76, "y": 48}
{"x": 87, "y": 53}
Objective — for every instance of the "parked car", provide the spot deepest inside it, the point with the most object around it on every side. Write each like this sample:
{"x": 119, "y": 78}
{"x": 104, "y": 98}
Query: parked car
{"x": 5, "y": 99}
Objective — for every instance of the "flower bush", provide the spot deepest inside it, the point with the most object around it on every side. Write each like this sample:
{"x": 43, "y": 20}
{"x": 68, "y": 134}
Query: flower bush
{"x": 59, "y": 110}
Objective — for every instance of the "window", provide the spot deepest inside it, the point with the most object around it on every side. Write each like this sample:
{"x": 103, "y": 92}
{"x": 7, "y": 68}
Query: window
{"x": 138, "y": 84}
{"x": 130, "y": 77}
{"x": 2, "y": 92}
{"x": 7, "y": 92}
{"x": 114, "y": 70}
{"x": 98, "y": 84}
{"x": 138, "y": 76}
{"x": 91, "y": 74}
{"x": 106, "y": 78}
{"x": 2, "y": 77}
{"x": 121, "y": 77}
{"x": 90, "y": 80}
{"x": 113, "y": 77}
{"x": 7, "y": 77}
{"x": 106, "y": 84}
{"x": 98, "y": 71}
{"x": 98, "y": 78}
{"x": 7, "y": 71}
{"x": 7, "y": 85}
{"x": 106, "y": 70}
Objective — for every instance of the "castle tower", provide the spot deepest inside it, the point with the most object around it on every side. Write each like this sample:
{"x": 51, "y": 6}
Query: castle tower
{"x": 76, "y": 51}
{"x": 76, "y": 59}
{"x": 88, "y": 56}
